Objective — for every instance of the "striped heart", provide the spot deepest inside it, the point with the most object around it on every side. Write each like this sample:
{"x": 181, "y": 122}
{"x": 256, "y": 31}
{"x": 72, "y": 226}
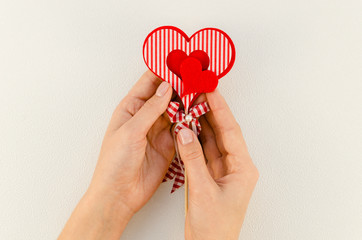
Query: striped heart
{"x": 163, "y": 40}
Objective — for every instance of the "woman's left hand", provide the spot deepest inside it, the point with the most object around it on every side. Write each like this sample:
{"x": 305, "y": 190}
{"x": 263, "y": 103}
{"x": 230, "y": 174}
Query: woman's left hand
{"x": 135, "y": 155}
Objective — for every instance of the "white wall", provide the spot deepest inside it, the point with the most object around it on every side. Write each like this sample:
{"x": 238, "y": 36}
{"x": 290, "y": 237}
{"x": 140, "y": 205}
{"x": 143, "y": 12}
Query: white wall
{"x": 296, "y": 90}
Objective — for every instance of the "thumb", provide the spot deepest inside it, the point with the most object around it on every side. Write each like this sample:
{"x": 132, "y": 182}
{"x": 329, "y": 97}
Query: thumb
{"x": 193, "y": 157}
{"x": 153, "y": 108}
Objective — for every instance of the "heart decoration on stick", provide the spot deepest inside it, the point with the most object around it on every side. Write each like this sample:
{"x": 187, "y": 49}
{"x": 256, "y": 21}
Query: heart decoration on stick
{"x": 192, "y": 65}
{"x": 166, "y": 48}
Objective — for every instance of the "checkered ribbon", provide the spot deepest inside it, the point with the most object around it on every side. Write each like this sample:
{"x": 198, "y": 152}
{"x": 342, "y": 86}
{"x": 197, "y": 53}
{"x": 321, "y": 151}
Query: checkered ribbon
{"x": 182, "y": 120}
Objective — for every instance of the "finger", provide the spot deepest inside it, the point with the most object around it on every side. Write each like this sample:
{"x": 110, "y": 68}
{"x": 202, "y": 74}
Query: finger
{"x": 193, "y": 158}
{"x": 227, "y": 131}
{"x": 211, "y": 150}
{"x": 208, "y": 141}
{"x": 144, "y": 88}
{"x": 155, "y": 167}
{"x": 154, "y": 107}
{"x": 199, "y": 99}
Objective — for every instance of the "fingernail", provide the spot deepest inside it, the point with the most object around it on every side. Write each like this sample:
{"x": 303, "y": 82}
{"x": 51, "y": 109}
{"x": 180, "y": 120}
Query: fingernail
{"x": 162, "y": 89}
{"x": 185, "y": 136}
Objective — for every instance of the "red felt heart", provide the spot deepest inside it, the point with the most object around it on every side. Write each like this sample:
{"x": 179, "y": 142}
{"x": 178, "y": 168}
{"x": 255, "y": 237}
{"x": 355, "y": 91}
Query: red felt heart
{"x": 176, "y": 57}
{"x": 217, "y": 45}
{"x": 202, "y": 57}
{"x": 174, "y": 60}
{"x": 196, "y": 80}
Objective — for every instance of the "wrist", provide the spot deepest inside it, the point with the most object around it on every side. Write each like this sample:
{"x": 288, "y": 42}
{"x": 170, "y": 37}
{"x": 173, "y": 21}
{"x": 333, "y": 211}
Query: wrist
{"x": 97, "y": 216}
{"x": 109, "y": 207}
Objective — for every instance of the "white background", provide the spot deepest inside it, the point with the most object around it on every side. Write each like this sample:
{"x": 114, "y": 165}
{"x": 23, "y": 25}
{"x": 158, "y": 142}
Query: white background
{"x": 295, "y": 89}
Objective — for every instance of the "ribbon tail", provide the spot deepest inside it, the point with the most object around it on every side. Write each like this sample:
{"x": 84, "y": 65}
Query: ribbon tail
{"x": 179, "y": 178}
{"x": 176, "y": 170}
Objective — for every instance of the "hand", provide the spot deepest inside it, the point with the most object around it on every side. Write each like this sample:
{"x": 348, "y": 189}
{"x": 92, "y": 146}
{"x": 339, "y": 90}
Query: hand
{"x": 138, "y": 145}
{"x": 221, "y": 187}
{"x": 135, "y": 155}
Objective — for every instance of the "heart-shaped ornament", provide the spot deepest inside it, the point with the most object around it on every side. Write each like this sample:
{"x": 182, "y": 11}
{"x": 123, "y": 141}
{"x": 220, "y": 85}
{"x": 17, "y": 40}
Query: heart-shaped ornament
{"x": 176, "y": 57}
{"x": 195, "y": 79}
{"x": 217, "y": 45}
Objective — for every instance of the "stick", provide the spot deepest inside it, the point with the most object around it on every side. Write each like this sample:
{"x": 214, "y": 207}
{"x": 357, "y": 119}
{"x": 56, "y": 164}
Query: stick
{"x": 185, "y": 173}
{"x": 186, "y": 182}
{"x": 186, "y": 193}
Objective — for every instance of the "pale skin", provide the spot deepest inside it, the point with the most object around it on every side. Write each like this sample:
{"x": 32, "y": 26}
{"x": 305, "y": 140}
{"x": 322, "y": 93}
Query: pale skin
{"x": 136, "y": 152}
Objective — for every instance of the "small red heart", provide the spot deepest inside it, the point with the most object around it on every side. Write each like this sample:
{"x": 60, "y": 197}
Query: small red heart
{"x": 174, "y": 60}
{"x": 176, "y": 57}
{"x": 202, "y": 57}
{"x": 194, "y": 79}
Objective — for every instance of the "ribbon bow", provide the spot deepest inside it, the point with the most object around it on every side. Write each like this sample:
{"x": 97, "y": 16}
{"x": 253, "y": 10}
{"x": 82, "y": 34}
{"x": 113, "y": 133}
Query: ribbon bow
{"x": 182, "y": 120}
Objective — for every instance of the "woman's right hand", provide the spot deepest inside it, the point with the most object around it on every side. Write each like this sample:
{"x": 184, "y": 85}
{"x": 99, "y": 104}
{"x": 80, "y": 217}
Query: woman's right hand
{"x": 221, "y": 174}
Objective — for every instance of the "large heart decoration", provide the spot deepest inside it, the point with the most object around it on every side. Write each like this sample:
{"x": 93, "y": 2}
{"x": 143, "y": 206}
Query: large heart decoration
{"x": 197, "y": 61}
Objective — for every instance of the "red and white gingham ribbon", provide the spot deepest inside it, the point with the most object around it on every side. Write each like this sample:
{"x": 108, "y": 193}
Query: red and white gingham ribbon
{"x": 182, "y": 120}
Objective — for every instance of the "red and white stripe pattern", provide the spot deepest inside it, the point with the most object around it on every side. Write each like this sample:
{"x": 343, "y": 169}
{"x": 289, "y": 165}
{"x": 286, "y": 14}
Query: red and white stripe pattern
{"x": 175, "y": 171}
{"x": 161, "y": 41}
{"x": 182, "y": 120}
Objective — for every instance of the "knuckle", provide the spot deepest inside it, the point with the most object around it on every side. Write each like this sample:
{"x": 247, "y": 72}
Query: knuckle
{"x": 135, "y": 106}
{"x": 156, "y": 105}
{"x": 120, "y": 108}
{"x": 233, "y": 130}
{"x": 151, "y": 104}
{"x": 131, "y": 104}
{"x": 252, "y": 174}
{"x": 236, "y": 129}
{"x": 193, "y": 155}
{"x": 248, "y": 174}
